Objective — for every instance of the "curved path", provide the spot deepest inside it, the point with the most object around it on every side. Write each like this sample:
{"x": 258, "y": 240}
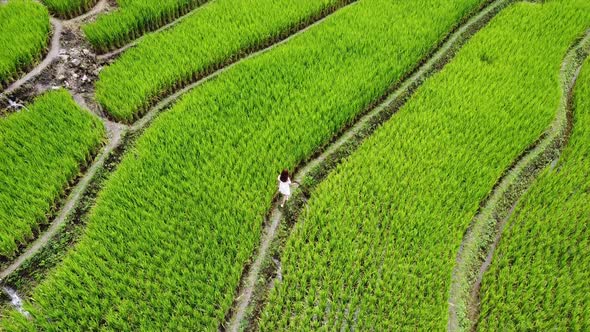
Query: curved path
{"x": 477, "y": 249}
{"x": 353, "y": 136}
{"x": 116, "y": 132}
{"x": 100, "y": 6}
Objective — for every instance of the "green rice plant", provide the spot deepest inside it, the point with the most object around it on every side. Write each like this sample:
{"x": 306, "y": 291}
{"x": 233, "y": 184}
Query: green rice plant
{"x": 167, "y": 241}
{"x": 132, "y": 19}
{"x": 376, "y": 245}
{"x": 69, "y": 8}
{"x": 540, "y": 275}
{"x": 215, "y": 35}
{"x": 24, "y": 34}
{"x": 42, "y": 149}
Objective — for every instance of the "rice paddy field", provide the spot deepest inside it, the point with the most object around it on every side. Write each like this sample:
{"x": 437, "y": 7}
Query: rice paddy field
{"x": 139, "y": 190}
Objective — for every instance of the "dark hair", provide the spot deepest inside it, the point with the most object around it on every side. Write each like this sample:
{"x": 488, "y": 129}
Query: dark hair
{"x": 284, "y": 175}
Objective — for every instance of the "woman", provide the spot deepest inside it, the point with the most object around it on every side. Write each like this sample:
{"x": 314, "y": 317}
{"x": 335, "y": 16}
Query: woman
{"x": 284, "y": 186}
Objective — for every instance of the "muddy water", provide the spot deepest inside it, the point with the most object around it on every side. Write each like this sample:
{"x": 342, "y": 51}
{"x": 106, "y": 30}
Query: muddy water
{"x": 15, "y": 300}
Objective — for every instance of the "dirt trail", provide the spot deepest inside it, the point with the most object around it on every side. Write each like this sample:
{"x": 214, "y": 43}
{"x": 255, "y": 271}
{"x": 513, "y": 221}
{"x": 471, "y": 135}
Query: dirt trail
{"x": 100, "y": 7}
{"x": 116, "y": 131}
{"x": 480, "y": 240}
{"x": 356, "y": 133}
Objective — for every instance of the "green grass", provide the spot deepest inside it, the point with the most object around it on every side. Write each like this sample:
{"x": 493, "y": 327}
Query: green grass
{"x": 539, "y": 278}
{"x": 24, "y": 34}
{"x": 41, "y": 151}
{"x": 168, "y": 238}
{"x": 376, "y": 245}
{"x": 132, "y": 19}
{"x": 69, "y": 8}
{"x": 218, "y": 33}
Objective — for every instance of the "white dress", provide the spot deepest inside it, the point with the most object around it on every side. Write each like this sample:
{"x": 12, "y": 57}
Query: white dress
{"x": 285, "y": 187}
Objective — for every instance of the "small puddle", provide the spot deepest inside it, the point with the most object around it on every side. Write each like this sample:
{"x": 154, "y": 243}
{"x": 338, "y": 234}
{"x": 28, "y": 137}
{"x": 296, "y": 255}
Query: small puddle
{"x": 16, "y": 301}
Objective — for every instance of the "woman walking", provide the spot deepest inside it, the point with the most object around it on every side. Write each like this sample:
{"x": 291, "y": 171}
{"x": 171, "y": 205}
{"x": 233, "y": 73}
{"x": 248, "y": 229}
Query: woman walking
{"x": 284, "y": 186}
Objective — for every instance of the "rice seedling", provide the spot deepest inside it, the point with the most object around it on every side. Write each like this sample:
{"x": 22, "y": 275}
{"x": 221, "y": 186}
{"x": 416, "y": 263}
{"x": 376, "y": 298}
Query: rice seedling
{"x": 539, "y": 278}
{"x": 376, "y": 245}
{"x": 167, "y": 240}
{"x": 24, "y": 34}
{"x": 213, "y": 36}
{"x": 132, "y": 19}
{"x": 42, "y": 149}
{"x": 69, "y": 8}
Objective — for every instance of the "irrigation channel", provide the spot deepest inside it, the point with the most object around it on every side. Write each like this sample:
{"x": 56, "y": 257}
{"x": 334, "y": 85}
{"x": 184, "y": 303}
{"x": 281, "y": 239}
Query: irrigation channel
{"x": 483, "y": 235}
{"x": 249, "y": 298}
{"x": 116, "y": 132}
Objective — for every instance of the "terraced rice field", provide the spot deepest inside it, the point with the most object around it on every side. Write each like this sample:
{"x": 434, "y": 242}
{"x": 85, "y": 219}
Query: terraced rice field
{"x": 143, "y": 196}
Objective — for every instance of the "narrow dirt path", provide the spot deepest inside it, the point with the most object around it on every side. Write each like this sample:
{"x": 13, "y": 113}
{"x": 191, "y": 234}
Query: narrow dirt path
{"x": 353, "y": 136}
{"x": 482, "y": 237}
{"x": 100, "y": 7}
{"x": 116, "y": 133}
